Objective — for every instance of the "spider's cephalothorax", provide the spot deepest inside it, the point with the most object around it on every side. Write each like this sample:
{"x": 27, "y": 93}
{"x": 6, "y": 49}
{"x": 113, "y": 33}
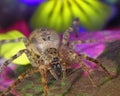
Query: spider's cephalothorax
{"x": 46, "y": 53}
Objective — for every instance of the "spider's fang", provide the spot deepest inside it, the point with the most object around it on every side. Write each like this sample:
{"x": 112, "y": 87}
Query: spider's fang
{"x": 54, "y": 74}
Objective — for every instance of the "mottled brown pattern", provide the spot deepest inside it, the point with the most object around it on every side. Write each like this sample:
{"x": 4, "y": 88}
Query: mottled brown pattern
{"x": 45, "y": 53}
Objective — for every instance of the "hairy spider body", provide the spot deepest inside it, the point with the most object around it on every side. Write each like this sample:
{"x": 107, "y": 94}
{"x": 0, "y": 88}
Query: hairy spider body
{"x": 46, "y": 52}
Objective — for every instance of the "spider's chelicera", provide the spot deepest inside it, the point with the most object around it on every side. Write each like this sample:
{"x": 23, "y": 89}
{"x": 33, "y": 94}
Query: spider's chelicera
{"x": 46, "y": 52}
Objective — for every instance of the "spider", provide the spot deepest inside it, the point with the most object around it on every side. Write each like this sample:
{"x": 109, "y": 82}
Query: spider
{"x": 46, "y": 52}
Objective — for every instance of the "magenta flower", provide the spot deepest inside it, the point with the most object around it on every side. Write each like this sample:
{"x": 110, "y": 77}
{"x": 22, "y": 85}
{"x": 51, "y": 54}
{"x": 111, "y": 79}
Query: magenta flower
{"x": 7, "y": 77}
{"x": 93, "y": 49}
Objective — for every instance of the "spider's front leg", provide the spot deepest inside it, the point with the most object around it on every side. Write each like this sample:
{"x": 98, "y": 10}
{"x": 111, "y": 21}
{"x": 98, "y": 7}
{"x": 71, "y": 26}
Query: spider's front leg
{"x": 20, "y": 79}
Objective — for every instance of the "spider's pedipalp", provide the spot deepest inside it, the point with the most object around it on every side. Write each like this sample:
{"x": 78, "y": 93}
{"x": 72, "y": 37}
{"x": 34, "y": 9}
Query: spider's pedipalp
{"x": 11, "y": 59}
{"x": 20, "y": 79}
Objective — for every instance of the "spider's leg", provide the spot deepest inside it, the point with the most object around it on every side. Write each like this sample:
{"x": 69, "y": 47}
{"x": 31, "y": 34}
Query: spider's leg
{"x": 66, "y": 35}
{"x": 43, "y": 70}
{"x": 13, "y": 40}
{"x": 25, "y": 40}
{"x": 11, "y": 59}
{"x": 73, "y": 43}
{"x": 65, "y": 40}
{"x": 20, "y": 39}
{"x": 74, "y": 57}
{"x": 27, "y": 52}
{"x": 97, "y": 62}
{"x": 85, "y": 68}
{"x": 64, "y": 68}
{"x": 89, "y": 75}
{"x": 78, "y": 42}
{"x": 20, "y": 79}
{"x": 31, "y": 57}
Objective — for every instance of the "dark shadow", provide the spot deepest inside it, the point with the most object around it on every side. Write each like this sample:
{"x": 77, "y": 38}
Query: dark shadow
{"x": 78, "y": 76}
{"x": 112, "y": 52}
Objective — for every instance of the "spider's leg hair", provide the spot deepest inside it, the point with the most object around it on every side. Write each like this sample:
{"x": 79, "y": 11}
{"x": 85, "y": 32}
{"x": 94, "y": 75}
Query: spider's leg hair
{"x": 66, "y": 35}
{"x": 31, "y": 58}
{"x": 64, "y": 68}
{"x": 96, "y": 62}
{"x": 76, "y": 58}
{"x": 76, "y": 42}
{"x": 85, "y": 68}
{"x": 52, "y": 72}
{"x": 11, "y": 59}
{"x": 13, "y": 40}
{"x": 75, "y": 25}
{"x": 20, "y": 78}
{"x": 43, "y": 71}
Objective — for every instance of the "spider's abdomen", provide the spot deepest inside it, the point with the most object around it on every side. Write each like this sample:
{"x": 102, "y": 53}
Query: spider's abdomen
{"x": 44, "y": 38}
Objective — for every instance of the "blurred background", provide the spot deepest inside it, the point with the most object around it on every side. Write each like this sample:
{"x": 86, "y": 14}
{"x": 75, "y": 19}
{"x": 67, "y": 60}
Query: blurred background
{"x": 57, "y": 14}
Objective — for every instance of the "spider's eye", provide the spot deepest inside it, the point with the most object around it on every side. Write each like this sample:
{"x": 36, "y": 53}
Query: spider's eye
{"x": 43, "y": 29}
{"x": 44, "y": 39}
{"x": 51, "y": 52}
{"x": 48, "y": 37}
